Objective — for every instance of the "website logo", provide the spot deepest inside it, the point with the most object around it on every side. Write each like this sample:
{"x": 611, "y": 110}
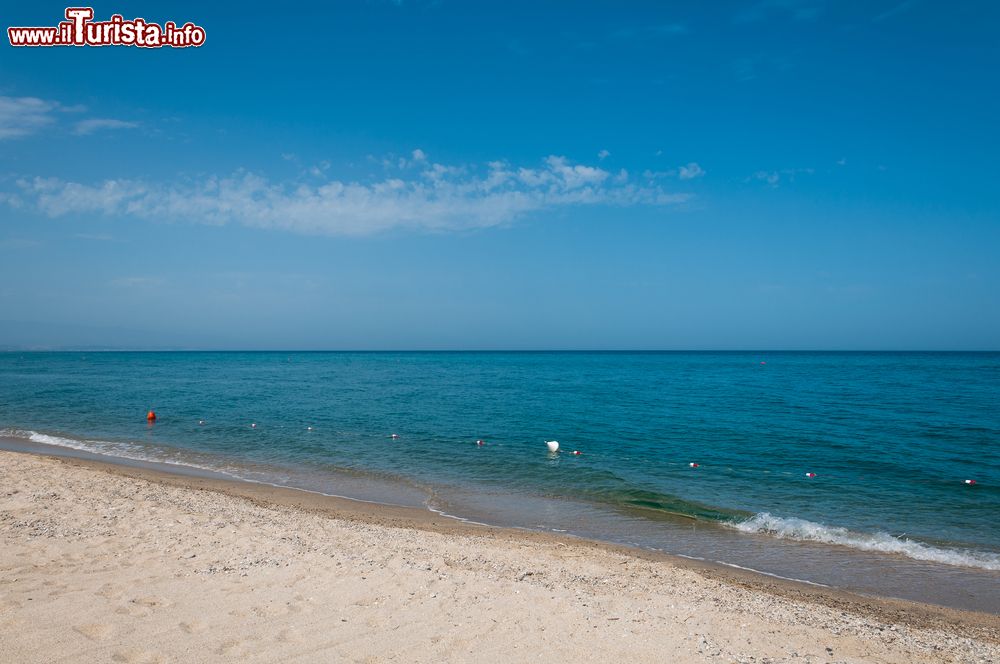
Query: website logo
{"x": 80, "y": 29}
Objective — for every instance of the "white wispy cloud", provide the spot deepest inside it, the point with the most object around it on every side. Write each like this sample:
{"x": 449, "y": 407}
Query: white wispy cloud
{"x": 320, "y": 169}
{"x": 770, "y": 177}
{"x": 418, "y": 195}
{"x": 603, "y": 154}
{"x": 690, "y": 172}
{"x": 774, "y": 178}
{"x": 22, "y": 116}
{"x": 90, "y": 125}
{"x": 57, "y": 197}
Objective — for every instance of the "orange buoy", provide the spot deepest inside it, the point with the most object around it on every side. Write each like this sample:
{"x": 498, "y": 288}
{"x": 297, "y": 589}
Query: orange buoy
{"x": 151, "y": 416}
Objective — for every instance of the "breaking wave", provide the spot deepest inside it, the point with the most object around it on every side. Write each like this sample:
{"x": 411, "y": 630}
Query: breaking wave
{"x": 809, "y": 531}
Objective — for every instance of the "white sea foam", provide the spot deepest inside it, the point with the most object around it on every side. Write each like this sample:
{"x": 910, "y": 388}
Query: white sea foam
{"x": 120, "y": 450}
{"x": 764, "y": 522}
{"x": 135, "y": 452}
{"x": 105, "y": 447}
{"x": 809, "y": 531}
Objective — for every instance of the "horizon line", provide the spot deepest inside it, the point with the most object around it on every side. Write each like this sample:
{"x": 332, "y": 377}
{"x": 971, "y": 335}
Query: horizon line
{"x": 91, "y": 349}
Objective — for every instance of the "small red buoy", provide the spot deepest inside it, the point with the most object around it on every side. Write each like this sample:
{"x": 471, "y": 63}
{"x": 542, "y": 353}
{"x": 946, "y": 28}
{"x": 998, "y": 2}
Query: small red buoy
{"x": 810, "y": 474}
{"x": 480, "y": 443}
{"x": 693, "y": 465}
{"x": 763, "y": 362}
{"x": 151, "y": 416}
{"x": 577, "y": 452}
{"x": 970, "y": 482}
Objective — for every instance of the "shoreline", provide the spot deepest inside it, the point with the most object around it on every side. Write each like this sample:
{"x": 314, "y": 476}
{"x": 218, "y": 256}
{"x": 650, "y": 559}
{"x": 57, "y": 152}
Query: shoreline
{"x": 721, "y": 561}
{"x": 426, "y": 518}
{"x": 922, "y": 616}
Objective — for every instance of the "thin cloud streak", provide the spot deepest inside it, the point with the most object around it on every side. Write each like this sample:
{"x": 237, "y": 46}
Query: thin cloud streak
{"x": 89, "y": 126}
{"x": 420, "y": 195}
{"x": 774, "y": 178}
{"x": 690, "y": 171}
{"x": 22, "y": 116}
{"x": 26, "y": 116}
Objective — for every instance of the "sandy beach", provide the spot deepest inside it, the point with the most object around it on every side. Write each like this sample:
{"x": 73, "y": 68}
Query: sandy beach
{"x": 118, "y": 564}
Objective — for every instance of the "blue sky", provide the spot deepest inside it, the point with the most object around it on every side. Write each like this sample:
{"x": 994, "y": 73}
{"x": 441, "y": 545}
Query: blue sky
{"x": 446, "y": 175}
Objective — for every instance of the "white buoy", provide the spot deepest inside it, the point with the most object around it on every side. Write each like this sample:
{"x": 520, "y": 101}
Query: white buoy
{"x": 253, "y": 426}
{"x": 309, "y": 428}
{"x": 394, "y": 436}
{"x": 553, "y": 445}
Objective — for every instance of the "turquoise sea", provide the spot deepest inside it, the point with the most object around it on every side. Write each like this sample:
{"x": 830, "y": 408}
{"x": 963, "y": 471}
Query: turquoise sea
{"x": 891, "y": 439}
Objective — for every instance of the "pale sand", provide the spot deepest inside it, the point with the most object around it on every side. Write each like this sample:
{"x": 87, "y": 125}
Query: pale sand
{"x": 102, "y": 563}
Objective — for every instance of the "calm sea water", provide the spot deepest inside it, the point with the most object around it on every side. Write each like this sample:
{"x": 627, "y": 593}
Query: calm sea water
{"x": 891, "y": 438}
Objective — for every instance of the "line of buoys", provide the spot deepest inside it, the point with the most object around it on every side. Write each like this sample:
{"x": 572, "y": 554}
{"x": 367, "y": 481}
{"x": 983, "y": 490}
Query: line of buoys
{"x": 553, "y": 445}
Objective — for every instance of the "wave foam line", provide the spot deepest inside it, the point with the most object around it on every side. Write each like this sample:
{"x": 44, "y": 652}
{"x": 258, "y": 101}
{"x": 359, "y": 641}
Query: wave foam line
{"x": 101, "y": 447}
{"x": 809, "y": 531}
{"x": 755, "y": 571}
{"x": 124, "y": 451}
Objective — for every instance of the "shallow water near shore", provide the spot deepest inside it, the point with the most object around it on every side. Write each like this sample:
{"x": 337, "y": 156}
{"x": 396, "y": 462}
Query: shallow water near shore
{"x": 891, "y": 437}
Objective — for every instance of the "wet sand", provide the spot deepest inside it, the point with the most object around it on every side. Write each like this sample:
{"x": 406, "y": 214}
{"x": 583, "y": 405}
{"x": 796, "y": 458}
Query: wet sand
{"x": 102, "y": 562}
